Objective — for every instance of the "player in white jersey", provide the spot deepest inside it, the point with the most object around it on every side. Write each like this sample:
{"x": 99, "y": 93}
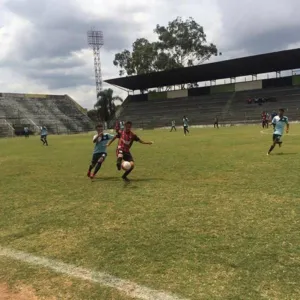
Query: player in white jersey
{"x": 279, "y": 122}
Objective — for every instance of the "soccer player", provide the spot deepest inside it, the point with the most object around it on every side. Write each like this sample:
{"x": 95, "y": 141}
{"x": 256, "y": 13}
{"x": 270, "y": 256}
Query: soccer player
{"x": 185, "y": 121}
{"x": 126, "y": 139}
{"x": 216, "y": 123}
{"x": 173, "y": 126}
{"x": 121, "y": 125}
{"x": 26, "y": 132}
{"x": 117, "y": 126}
{"x": 279, "y": 122}
{"x": 100, "y": 140}
{"x": 44, "y": 134}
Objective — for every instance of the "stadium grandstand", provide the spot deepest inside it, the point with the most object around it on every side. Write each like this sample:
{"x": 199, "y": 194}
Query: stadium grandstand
{"x": 60, "y": 114}
{"x": 234, "y": 102}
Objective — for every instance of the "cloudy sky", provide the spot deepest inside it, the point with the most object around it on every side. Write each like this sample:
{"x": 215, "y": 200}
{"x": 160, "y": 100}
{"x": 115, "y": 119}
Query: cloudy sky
{"x": 43, "y": 44}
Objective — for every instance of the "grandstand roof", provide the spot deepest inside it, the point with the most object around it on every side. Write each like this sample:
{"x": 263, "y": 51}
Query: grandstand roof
{"x": 251, "y": 65}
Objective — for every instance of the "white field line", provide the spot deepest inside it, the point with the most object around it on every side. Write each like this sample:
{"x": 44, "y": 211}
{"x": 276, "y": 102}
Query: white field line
{"x": 126, "y": 287}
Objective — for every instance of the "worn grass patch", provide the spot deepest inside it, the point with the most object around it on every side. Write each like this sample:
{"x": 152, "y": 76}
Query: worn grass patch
{"x": 207, "y": 216}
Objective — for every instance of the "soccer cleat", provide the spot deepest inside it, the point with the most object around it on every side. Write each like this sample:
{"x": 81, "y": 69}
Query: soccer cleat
{"x": 92, "y": 176}
{"x": 88, "y": 174}
{"x": 125, "y": 179}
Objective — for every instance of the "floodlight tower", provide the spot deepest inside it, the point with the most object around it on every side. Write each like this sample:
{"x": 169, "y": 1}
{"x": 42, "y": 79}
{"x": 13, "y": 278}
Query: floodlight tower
{"x": 95, "y": 41}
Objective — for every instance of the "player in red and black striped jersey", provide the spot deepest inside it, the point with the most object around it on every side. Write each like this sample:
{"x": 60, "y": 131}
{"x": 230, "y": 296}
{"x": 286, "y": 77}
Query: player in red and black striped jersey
{"x": 126, "y": 139}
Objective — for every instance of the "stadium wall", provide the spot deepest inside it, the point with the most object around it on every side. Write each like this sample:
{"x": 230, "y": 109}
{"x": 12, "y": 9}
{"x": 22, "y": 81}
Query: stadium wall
{"x": 277, "y": 82}
{"x": 248, "y": 86}
{"x": 177, "y": 94}
{"x": 156, "y": 96}
{"x": 202, "y": 91}
{"x": 296, "y": 80}
{"x": 224, "y": 88}
{"x": 137, "y": 98}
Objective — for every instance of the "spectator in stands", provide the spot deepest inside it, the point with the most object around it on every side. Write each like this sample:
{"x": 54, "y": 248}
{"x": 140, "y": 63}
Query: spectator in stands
{"x": 216, "y": 123}
{"x": 185, "y": 121}
{"x": 26, "y": 132}
{"x": 173, "y": 126}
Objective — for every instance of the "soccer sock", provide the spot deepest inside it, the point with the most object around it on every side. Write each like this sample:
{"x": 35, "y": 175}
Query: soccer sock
{"x": 91, "y": 167}
{"x": 127, "y": 173}
{"x": 271, "y": 149}
{"x": 97, "y": 168}
{"x": 119, "y": 162}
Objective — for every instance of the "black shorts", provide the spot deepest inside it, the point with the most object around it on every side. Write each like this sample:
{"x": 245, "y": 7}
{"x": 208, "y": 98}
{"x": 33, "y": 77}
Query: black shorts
{"x": 43, "y": 136}
{"x": 276, "y": 137}
{"x": 125, "y": 155}
{"x": 97, "y": 156}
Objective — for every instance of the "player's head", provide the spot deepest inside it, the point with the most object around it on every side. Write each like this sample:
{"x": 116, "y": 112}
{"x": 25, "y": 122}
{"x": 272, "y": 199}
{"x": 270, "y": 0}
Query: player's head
{"x": 128, "y": 126}
{"x": 281, "y": 112}
{"x": 99, "y": 128}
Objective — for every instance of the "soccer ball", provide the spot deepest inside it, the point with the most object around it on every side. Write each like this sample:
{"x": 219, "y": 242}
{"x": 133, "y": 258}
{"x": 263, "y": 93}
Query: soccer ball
{"x": 126, "y": 165}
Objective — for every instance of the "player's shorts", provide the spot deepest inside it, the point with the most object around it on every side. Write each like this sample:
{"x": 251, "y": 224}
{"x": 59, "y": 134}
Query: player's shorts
{"x": 97, "y": 156}
{"x": 43, "y": 136}
{"x": 125, "y": 155}
{"x": 276, "y": 137}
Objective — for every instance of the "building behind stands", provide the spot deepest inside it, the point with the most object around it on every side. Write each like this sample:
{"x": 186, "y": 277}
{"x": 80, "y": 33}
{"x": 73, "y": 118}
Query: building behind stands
{"x": 60, "y": 114}
{"x": 234, "y": 102}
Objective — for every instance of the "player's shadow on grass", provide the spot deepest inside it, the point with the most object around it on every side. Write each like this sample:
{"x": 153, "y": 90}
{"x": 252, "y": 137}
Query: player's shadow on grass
{"x": 286, "y": 153}
{"x": 131, "y": 180}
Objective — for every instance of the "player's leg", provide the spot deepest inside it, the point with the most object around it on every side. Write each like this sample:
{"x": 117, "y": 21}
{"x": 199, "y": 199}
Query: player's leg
{"x": 128, "y": 157}
{"x": 119, "y": 159}
{"x": 46, "y": 141}
{"x": 187, "y": 129}
{"x": 275, "y": 141}
{"x": 101, "y": 159}
{"x": 92, "y": 164}
{"x": 184, "y": 130}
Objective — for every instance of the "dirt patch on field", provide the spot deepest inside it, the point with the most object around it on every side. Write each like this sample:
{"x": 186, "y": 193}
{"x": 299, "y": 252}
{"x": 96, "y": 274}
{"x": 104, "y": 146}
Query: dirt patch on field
{"x": 21, "y": 293}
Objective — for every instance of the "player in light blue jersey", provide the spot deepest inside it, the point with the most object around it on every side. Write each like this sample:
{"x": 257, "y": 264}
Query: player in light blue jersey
{"x": 44, "y": 134}
{"x": 99, "y": 154}
{"x": 185, "y": 121}
{"x": 279, "y": 122}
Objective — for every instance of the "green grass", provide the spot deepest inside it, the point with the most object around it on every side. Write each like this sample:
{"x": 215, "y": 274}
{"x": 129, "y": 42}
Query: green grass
{"x": 207, "y": 216}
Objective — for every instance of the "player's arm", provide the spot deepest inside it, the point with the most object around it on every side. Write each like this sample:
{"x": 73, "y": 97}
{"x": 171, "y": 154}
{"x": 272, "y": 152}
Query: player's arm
{"x": 137, "y": 139}
{"x": 95, "y": 138}
{"x": 287, "y": 126}
{"x": 112, "y": 140}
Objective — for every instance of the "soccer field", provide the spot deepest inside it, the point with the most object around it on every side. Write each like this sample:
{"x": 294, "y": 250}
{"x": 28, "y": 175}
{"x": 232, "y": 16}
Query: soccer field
{"x": 207, "y": 216}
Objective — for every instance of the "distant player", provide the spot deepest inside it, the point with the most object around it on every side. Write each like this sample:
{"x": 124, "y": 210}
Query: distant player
{"x": 122, "y": 125}
{"x": 216, "y": 123}
{"x": 126, "y": 139}
{"x": 44, "y": 134}
{"x": 173, "y": 126}
{"x": 26, "y": 132}
{"x": 279, "y": 122}
{"x": 117, "y": 126}
{"x": 99, "y": 154}
{"x": 185, "y": 121}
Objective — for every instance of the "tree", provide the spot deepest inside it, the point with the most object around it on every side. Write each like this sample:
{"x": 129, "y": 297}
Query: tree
{"x": 106, "y": 105}
{"x": 93, "y": 114}
{"x": 185, "y": 41}
{"x": 180, "y": 44}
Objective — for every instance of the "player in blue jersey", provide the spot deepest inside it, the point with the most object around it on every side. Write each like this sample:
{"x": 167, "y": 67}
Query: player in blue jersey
{"x": 44, "y": 134}
{"x": 100, "y": 140}
{"x": 279, "y": 122}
